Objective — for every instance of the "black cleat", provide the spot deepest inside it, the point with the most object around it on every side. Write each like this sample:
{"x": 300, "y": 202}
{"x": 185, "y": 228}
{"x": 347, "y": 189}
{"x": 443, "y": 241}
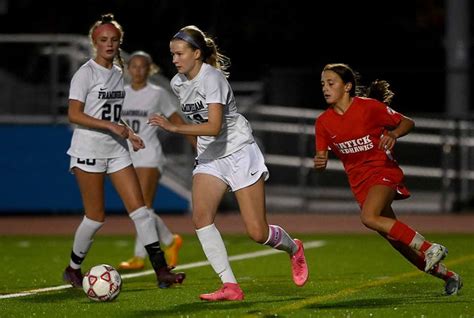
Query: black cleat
{"x": 166, "y": 278}
{"x": 73, "y": 276}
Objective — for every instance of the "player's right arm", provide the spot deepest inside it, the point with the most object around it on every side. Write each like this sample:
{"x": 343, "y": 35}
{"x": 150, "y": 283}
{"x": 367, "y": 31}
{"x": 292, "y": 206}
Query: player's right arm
{"x": 176, "y": 119}
{"x": 77, "y": 116}
{"x": 321, "y": 146}
{"x": 321, "y": 160}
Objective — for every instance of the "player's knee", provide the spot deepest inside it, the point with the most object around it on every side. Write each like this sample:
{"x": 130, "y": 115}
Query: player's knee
{"x": 201, "y": 220}
{"x": 369, "y": 221}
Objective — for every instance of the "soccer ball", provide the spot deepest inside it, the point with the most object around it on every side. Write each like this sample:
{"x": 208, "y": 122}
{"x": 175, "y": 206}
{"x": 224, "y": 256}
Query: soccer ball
{"x": 102, "y": 283}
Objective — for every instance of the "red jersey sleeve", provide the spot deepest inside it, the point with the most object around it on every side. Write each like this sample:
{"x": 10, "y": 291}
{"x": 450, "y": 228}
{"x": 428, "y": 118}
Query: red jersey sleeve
{"x": 321, "y": 139}
{"x": 384, "y": 115}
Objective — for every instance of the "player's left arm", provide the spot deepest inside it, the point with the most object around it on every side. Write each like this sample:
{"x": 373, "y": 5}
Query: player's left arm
{"x": 388, "y": 139}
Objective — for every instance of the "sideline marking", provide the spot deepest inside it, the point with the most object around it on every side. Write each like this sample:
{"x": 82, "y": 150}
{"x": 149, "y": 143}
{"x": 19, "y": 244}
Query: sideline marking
{"x": 348, "y": 291}
{"x": 239, "y": 257}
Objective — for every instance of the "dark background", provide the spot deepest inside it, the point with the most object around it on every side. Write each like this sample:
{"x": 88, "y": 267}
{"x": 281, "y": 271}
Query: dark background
{"x": 281, "y": 42}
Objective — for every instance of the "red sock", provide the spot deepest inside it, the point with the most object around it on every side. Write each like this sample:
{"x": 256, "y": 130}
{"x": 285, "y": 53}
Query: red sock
{"x": 424, "y": 246}
{"x": 402, "y": 232}
{"x": 420, "y": 262}
{"x": 406, "y": 235}
{"x": 440, "y": 271}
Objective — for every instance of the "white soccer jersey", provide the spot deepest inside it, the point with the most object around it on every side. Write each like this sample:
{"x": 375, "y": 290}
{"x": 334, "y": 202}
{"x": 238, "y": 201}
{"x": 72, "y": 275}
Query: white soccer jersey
{"x": 137, "y": 107}
{"x": 101, "y": 91}
{"x": 211, "y": 86}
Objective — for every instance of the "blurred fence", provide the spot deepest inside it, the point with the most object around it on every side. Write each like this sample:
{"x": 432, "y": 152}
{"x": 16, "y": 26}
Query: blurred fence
{"x": 436, "y": 157}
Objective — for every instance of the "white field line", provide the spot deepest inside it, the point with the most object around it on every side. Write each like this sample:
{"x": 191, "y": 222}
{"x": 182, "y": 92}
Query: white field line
{"x": 307, "y": 245}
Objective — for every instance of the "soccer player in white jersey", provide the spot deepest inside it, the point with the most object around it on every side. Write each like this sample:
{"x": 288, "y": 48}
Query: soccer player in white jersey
{"x": 142, "y": 99}
{"x": 228, "y": 158}
{"x": 99, "y": 148}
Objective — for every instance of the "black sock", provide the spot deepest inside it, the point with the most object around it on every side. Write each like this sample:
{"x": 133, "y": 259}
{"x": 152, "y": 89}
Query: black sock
{"x": 156, "y": 255}
{"x": 76, "y": 259}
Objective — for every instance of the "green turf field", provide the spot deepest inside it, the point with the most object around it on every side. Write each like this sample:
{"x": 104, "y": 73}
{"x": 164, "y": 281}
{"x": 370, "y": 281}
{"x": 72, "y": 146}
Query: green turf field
{"x": 350, "y": 276}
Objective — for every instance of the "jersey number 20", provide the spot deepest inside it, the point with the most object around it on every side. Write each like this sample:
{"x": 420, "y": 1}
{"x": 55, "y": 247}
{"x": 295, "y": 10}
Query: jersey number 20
{"x": 111, "y": 112}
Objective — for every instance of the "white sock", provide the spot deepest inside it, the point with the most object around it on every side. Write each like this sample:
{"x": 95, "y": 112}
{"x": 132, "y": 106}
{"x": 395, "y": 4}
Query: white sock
{"x": 164, "y": 233}
{"x": 280, "y": 240}
{"x": 417, "y": 241}
{"x": 145, "y": 226}
{"x": 140, "y": 250}
{"x": 216, "y": 253}
{"x": 83, "y": 240}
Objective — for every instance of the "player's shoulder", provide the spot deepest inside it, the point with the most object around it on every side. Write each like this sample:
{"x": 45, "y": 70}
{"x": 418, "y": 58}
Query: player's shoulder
{"x": 368, "y": 101}
{"x": 87, "y": 67}
{"x": 154, "y": 87}
{"x": 84, "y": 73}
{"x": 178, "y": 80}
{"x": 117, "y": 68}
{"x": 210, "y": 72}
{"x": 325, "y": 114}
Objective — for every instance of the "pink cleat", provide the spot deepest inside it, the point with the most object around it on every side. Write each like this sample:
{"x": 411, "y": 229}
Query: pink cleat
{"x": 228, "y": 291}
{"x": 298, "y": 265}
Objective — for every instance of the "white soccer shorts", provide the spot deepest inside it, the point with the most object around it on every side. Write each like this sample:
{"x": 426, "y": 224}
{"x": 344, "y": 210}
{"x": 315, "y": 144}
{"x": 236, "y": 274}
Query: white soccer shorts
{"x": 238, "y": 170}
{"x": 150, "y": 157}
{"x": 109, "y": 165}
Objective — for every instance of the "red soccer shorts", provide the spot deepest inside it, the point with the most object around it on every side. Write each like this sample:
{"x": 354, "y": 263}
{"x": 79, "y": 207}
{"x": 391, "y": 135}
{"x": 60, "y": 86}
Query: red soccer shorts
{"x": 388, "y": 176}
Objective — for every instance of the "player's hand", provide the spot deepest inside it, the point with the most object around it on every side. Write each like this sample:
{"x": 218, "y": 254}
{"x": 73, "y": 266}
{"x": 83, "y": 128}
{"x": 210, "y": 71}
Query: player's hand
{"x": 387, "y": 140}
{"x": 161, "y": 121}
{"x": 137, "y": 142}
{"x": 320, "y": 162}
{"x": 119, "y": 130}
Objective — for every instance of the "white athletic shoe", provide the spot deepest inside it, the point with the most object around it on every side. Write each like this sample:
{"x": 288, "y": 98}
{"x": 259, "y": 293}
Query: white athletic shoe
{"x": 453, "y": 285}
{"x": 434, "y": 255}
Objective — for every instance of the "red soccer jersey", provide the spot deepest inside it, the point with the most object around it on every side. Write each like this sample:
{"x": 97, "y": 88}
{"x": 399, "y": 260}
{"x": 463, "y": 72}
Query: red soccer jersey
{"x": 355, "y": 135}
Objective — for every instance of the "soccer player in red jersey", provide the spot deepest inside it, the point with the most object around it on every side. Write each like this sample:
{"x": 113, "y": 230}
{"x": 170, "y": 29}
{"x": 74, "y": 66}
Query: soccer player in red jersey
{"x": 362, "y": 132}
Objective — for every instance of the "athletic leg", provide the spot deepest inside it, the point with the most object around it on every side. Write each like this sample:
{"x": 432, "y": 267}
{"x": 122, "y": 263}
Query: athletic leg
{"x": 127, "y": 185}
{"x": 207, "y": 193}
{"x": 408, "y": 242}
{"x": 379, "y": 199}
{"x": 251, "y": 202}
{"x": 452, "y": 280}
{"x": 91, "y": 186}
{"x": 148, "y": 179}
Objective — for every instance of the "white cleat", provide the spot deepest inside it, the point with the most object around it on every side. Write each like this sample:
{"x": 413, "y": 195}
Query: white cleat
{"x": 434, "y": 255}
{"x": 453, "y": 285}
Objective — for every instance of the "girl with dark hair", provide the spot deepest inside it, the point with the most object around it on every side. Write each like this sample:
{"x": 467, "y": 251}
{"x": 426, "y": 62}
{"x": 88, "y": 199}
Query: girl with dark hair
{"x": 362, "y": 132}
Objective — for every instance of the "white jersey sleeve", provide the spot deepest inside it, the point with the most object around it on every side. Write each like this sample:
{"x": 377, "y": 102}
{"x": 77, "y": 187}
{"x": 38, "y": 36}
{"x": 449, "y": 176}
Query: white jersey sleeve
{"x": 217, "y": 89}
{"x": 80, "y": 84}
